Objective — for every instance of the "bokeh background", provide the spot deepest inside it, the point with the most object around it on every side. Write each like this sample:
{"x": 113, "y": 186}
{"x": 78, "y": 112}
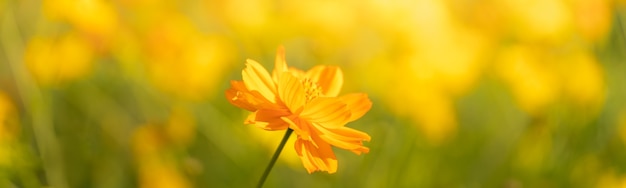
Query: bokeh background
{"x": 466, "y": 93}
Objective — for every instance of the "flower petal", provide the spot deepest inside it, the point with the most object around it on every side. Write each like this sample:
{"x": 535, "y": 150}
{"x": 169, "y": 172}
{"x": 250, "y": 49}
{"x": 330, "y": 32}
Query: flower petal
{"x": 320, "y": 158}
{"x": 256, "y": 78}
{"x": 358, "y": 104}
{"x": 269, "y": 118}
{"x": 330, "y": 112}
{"x": 329, "y": 78}
{"x": 300, "y": 127}
{"x": 291, "y": 92}
{"x": 241, "y": 97}
{"x": 345, "y": 138}
{"x": 251, "y": 120}
{"x": 280, "y": 64}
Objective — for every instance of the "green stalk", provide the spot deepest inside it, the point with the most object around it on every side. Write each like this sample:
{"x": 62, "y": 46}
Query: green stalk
{"x": 268, "y": 169}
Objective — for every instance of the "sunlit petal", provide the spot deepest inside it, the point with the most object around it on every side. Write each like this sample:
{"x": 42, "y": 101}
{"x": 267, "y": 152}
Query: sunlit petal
{"x": 329, "y": 78}
{"x": 241, "y": 97}
{"x": 320, "y": 158}
{"x": 280, "y": 64}
{"x": 301, "y": 128}
{"x": 345, "y": 138}
{"x": 256, "y": 78}
{"x": 358, "y": 104}
{"x": 327, "y": 111}
{"x": 291, "y": 92}
{"x": 251, "y": 119}
{"x": 270, "y": 118}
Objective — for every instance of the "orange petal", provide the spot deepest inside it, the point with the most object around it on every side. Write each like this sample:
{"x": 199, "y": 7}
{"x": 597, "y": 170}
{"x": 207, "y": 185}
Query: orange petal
{"x": 256, "y": 78}
{"x": 280, "y": 64}
{"x": 330, "y": 112}
{"x": 270, "y": 118}
{"x": 329, "y": 78}
{"x": 291, "y": 92}
{"x": 345, "y": 138}
{"x": 251, "y": 120}
{"x": 239, "y": 96}
{"x": 300, "y": 127}
{"x": 320, "y": 158}
{"x": 358, "y": 104}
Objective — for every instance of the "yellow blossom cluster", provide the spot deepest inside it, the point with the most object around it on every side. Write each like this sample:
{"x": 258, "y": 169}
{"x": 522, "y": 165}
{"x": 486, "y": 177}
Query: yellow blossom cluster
{"x": 156, "y": 149}
{"x": 471, "y": 91}
{"x": 542, "y": 50}
{"x": 439, "y": 49}
{"x": 148, "y": 38}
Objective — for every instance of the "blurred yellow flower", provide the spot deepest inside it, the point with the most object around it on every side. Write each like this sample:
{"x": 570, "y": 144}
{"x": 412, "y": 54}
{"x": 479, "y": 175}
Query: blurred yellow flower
{"x": 97, "y": 18}
{"x": 184, "y": 61}
{"x": 611, "y": 179}
{"x": 155, "y": 147}
{"x": 533, "y": 84}
{"x": 147, "y": 141}
{"x": 436, "y": 116}
{"x": 305, "y": 102}
{"x": 425, "y": 103}
{"x": 13, "y": 153}
{"x": 328, "y": 17}
{"x": 538, "y": 78}
{"x": 425, "y": 33}
{"x": 547, "y": 20}
{"x": 156, "y": 165}
{"x": 256, "y": 15}
{"x": 8, "y": 121}
{"x": 593, "y": 18}
{"x": 583, "y": 80}
{"x": 164, "y": 175}
{"x": 54, "y": 60}
{"x": 181, "y": 128}
{"x": 8, "y": 131}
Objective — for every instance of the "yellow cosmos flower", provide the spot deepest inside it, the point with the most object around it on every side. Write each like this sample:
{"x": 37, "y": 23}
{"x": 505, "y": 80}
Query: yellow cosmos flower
{"x": 56, "y": 60}
{"x": 305, "y": 102}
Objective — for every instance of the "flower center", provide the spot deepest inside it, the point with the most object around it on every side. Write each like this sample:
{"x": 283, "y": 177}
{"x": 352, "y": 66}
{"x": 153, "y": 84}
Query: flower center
{"x": 311, "y": 89}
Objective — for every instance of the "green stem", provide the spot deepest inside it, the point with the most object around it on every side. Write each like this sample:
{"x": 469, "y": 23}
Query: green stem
{"x": 274, "y": 158}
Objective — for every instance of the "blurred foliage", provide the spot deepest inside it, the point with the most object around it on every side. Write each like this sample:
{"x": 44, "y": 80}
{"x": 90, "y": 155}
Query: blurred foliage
{"x": 130, "y": 93}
